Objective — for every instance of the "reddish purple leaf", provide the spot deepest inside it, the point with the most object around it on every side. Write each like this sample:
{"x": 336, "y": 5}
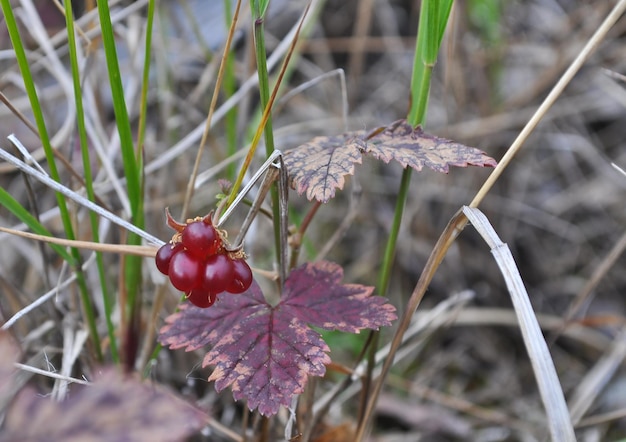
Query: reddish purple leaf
{"x": 188, "y": 327}
{"x": 115, "y": 407}
{"x": 315, "y": 295}
{"x": 266, "y": 358}
{"x": 266, "y": 353}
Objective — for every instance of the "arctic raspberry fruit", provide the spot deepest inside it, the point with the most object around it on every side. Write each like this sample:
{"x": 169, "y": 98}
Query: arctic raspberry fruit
{"x": 242, "y": 278}
{"x": 164, "y": 256}
{"x": 201, "y": 238}
{"x": 184, "y": 271}
{"x": 218, "y": 273}
{"x": 200, "y": 262}
{"x": 201, "y": 298}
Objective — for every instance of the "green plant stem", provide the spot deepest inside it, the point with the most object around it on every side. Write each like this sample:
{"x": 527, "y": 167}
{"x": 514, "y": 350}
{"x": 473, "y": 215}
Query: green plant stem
{"x": 390, "y": 249}
{"x": 133, "y": 171}
{"x": 384, "y": 276}
{"x": 433, "y": 19}
{"x": 420, "y": 87}
{"x": 134, "y": 263}
{"x": 207, "y": 126}
{"x": 141, "y": 132}
{"x": 84, "y": 147}
{"x": 264, "y": 89}
{"x": 267, "y": 110}
{"x": 29, "y": 85}
{"x": 230, "y": 119}
{"x": 420, "y": 92}
{"x": 418, "y": 111}
{"x": 122, "y": 120}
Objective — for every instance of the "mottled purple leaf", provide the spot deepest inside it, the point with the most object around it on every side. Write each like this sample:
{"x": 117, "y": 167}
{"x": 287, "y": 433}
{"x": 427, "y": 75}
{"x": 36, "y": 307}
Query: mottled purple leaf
{"x": 414, "y": 148}
{"x": 188, "y": 327}
{"x": 266, "y": 359}
{"x": 320, "y": 166}
{"x": 265, "y": 353}
{"x": 114, "y": 408}
{"x": 314, "y": 294}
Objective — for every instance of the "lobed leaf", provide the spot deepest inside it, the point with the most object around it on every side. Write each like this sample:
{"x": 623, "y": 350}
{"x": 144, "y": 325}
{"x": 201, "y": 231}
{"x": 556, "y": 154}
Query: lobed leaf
{"x": 265, "y": 353}
{"x": 315, "y": 295}
{"x": 320, "y": 166}
{"x": 192, "y": 328}
{"x": 266, "y": 359}
{"x": 414, "y": 148}
{"x": 115, "y": 407}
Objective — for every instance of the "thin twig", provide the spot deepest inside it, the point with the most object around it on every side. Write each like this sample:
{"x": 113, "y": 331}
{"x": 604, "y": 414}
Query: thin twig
{"x": 54, "y": 185}
{"x": 50, "y": 374}
{"x": 209, "y": 118}
{"x": 264, "y": 167}
{"x": 147, "y": 251}
{"x": 554, "y": 94}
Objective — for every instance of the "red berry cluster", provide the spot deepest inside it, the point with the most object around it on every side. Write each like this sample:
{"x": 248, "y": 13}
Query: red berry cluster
{"x": 199, "y": 263}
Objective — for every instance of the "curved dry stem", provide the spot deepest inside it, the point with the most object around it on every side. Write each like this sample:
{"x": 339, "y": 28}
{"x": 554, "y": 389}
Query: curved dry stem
{"x": 268, "y": 109}
{"x": 554, "y": 94}
{"x": 452, "y": 230}
{"x": 209, "y": 118}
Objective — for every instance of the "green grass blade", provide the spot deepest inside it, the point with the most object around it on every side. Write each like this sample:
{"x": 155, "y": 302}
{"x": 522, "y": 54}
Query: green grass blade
{"x": 230, "y": 86}
{"x": 143, "y": 105}
{"x": 264, "y": 90}
{"x": 134, "y": 263}
{"x": 84, "y": 149}
{"x": 132, "y": 162}
{"x": 122, "y": 119}
{"x": 259, "y": 7}
{"x": 443, "y": 13}
{"x": 432, "y": 25}
{"x": 29, "y": 85}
